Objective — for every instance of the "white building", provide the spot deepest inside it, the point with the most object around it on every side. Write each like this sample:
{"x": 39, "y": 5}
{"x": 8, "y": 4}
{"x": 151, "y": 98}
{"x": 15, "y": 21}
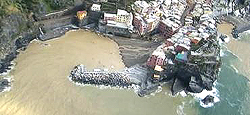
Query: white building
{"x": 96, "y": 7}
{"x": 141, "y": 6}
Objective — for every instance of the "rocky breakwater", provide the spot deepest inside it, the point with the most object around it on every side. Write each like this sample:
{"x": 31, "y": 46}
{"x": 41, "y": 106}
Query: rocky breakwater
{"x": 135, "y": 77}
{"x": 98, "y": 77}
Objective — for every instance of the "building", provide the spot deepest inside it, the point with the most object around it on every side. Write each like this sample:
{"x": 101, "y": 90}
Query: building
{"x": 140, "y": 24}
{"x": 117, "y": 28}
{"x": 181, "y": 57}
{"x": 109, "y": 17}
{"x": 181, "y": 47}
{"x": 81, "y": 15}
{"x": 169, "y": 42}
{"x": 151, "y": 61}
{"x": 195, "y": 40}
{"x": 141, "y": 7}
{"x": 96, "y": 7}
{"x": 165, "y": 29}
{"x": 122, "y": 16}
{"x": 157, "y": 70}
{"x": 119, "y": 24}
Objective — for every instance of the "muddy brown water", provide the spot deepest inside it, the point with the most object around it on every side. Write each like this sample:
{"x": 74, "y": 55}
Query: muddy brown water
{"x": 41, "y": 86}
{"x": 239, "y": 48}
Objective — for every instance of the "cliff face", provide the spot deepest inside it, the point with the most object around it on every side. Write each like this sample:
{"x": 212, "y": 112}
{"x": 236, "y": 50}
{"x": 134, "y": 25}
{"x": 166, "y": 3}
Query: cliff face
{"x": 18, "y": 24}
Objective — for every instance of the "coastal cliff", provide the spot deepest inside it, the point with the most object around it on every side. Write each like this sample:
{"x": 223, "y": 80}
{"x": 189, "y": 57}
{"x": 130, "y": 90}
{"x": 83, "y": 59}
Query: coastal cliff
{"x": 21, "y": 23}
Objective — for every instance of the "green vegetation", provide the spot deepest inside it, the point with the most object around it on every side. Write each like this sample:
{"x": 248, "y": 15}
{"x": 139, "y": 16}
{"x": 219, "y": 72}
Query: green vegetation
{"x": 26, "y": 6}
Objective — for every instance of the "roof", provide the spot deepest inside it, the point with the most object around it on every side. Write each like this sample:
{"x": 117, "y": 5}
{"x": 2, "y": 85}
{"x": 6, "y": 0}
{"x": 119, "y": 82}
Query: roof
{"x": 158, "y": 68}
{"x": 142, "y": 4}
{"x": 116, "y": 24}
{"x": 181, "y": 56}
{"x": 197, "y": 38}
{"x": 153, "y": 3}
{"x": 96, "y": 5}
{"x": 122, "y": 12}
{"x": 204, "y": 35}
{"x": 185, "y": 46}
{"x": 109, "y": 15}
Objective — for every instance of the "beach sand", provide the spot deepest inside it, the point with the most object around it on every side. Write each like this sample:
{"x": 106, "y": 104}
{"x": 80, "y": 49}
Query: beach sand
{"x": 41, "y": 86}
{"x": 239, "y": 48}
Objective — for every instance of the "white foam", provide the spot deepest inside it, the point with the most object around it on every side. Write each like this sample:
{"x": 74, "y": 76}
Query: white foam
{"x": 180, "y": 109}
{"x": 227, "y": 39}
{"x": 234, "y": 55}
{"x": 222, "y": 53}
{"x": 236, "y": 70}
{"x": 6, "y": 89}
{"x": 200, "y": 96}
{"x": 159, "y": 89}
{"x": 183, "y": 93}
{"x": 8, "y": 71}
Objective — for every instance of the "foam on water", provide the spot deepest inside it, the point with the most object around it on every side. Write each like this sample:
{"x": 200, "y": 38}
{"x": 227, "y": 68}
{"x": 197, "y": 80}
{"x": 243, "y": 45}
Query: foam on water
{"x": 222, "y": 53}
{"x": 180, "y": 109}
{"x": 200, "y": 96}
{"x": 234, "y": 54}
{"x": 183, "y": 93}
{"x": 8, "y": 88}
{"x": 236, "y": 70}
{"x": 8, "y": 71}
{"x": 159, "y": 89}
{"x": 134, "y": 87}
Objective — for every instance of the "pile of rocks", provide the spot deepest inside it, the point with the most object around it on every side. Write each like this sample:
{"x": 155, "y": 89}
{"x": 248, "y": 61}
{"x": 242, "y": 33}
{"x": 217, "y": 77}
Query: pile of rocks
{"x": 80, "y": 75}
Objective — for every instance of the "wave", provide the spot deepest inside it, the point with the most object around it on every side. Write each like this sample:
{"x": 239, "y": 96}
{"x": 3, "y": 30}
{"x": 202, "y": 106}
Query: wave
{"x": 236, "y": 70}
{"x": 200, "y": 96}
{"x": 134, "y": 87}
{"x": 180, "y": 109}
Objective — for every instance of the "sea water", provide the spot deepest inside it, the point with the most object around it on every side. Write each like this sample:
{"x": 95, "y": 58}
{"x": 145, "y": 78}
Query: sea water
{"x": 41, "y": 85}
{"x": 233, "y": 89}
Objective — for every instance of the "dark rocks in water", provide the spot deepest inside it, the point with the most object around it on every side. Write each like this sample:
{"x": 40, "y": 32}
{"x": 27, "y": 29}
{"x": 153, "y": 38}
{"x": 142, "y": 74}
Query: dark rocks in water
{"x": 208, "y": 83}
{"x": 148, "y": 90}
{"x": 3, "y": 84}
{"x": 222, "y": 37}
{"x": 208, "y": 99}
{"x": 194, "y": 85}
{"x": 235, "y": 33}
{"x": 177, "y": 86}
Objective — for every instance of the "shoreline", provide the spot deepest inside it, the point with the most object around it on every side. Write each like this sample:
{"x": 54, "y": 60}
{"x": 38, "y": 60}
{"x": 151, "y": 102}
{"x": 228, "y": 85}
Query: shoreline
{"x": 237, "y": 47}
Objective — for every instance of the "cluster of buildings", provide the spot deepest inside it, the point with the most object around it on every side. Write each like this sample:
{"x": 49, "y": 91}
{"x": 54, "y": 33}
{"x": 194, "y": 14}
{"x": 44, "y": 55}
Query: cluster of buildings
{"x": 161, "y": 15}
{"x": 117, "y": 24}
{"x": 194, "y": 43}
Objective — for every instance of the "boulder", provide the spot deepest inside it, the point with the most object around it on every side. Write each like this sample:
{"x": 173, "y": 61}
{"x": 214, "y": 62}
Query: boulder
{"x": 177, "y": 86}
{"x": 207, "y": 83}
{"x": 195, "y": 86}
{"x": 208, "y": 99}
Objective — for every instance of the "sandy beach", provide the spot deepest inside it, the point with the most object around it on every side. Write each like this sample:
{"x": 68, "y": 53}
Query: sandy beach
{"x": 239, "y": 48}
